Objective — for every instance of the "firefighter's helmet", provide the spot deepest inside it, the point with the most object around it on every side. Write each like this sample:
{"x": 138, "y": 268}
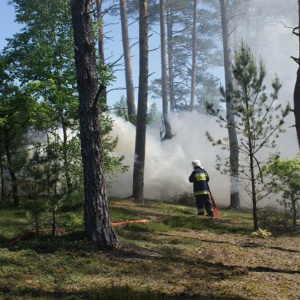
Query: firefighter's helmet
{"x": 196, "y": 163}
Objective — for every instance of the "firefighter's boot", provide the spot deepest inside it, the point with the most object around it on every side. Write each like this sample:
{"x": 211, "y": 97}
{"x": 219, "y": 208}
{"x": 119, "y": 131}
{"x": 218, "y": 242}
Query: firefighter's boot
{"x": 200, "y": 212}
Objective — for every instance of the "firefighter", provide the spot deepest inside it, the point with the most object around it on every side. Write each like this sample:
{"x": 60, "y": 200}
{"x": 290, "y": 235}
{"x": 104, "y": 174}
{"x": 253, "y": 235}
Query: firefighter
{"x": 200, "y": 180}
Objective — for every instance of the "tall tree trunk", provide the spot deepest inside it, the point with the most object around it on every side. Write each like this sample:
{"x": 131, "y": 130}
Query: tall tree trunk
{"x": 252, "y": 175}
{"x": 297, "y": 104}
{"x": 2, "y": 175}
{"x": 194, "y": 57}
{"x": 297, "y": 85}
{"x": 140, "y": 139}
{"x": 13, "y": 176}
{"x": 170, "y": 58}
{"x": 69, "y": 184}
{"x": 164, "y": 77}
{"x": 236, "y": 24}
{"x": 101, "y": 46}
{"x": 100, "y": 30}
{"x": 248, "y": 31}
{"x": 233, "y": 142}
{"x": 98, "y": 225}
{"x": 127, "y": 60}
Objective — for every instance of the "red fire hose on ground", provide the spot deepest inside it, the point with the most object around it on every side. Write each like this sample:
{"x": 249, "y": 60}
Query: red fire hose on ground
{"x": 216, "y": 211}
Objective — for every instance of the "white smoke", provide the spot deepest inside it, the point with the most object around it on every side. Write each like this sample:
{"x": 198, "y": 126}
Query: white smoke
{"x": 168, "y": 163}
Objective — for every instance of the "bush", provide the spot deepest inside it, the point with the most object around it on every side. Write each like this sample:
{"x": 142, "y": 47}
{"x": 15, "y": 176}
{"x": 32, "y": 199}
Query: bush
{"x": 273, "y": 219}
{"x": 73, "y": 221}
{"x": 184, "y": 198}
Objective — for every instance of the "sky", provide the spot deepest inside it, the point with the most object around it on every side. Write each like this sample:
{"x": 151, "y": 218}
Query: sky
{"x": 168, "y": 164}
{"x": 7, "y": 24}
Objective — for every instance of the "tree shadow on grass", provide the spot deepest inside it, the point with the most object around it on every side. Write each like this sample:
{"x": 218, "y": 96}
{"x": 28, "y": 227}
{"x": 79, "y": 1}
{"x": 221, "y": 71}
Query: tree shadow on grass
{"x": 112, "y": 292}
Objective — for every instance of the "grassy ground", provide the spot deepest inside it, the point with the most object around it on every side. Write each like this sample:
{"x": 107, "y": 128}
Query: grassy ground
{"x": 182, "y": 256}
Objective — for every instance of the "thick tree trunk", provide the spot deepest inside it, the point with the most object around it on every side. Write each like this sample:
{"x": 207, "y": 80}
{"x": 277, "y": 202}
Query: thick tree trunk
{"x": 194, "y": 58}
{"x": 140, "y": 140}
{"x": 297, "y": 87}
{"x": 297, "y": 104}
{"x": 98, "y": 225}
{"x": 233, "y": 142}
{"x": 127, "y": 60}
{"x": 164, "y": 77}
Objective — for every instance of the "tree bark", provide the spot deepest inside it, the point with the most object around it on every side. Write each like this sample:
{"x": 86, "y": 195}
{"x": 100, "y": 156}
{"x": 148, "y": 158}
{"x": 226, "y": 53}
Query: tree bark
{"x": 194, "y": 57}
{"x": 140, "y": 140}
{"x": 164, "y": 77}
{"x": 101, "y": 45}
{"x": 2, "y": 175}
{"x": 170, "y": 58}
{"x": 98, "y": 225}
{"x": 233, "y": 142}
{"x": 297, "y": 104}
{"x": 66, "y": 163}
{"x": 127, "y": 59}
{"x": 13, "y": 176}
{"x": 297, "y": 88}
{"x": 100, "y": 30}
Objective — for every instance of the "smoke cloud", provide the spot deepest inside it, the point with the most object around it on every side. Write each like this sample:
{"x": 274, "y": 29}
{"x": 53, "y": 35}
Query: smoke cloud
{"x": 168, "y": 163}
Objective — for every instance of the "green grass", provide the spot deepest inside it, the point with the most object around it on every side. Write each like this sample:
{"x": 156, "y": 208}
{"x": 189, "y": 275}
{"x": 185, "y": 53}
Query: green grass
{"x": 176, "y": 255}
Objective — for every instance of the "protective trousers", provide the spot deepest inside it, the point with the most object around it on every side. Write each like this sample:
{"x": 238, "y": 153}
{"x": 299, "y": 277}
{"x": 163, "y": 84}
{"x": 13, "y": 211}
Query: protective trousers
{"x": 203, "y": 201}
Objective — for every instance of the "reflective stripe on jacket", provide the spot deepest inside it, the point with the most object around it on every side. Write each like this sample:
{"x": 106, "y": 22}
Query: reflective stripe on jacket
{"x": 200, "y": 178}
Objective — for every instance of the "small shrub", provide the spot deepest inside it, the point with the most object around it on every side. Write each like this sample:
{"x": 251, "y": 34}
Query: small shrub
{"x": 273, "y": 219}
{"x": 72, "y": 202}
{"x": 73, "y": 221}
{"x": 184, "y": 198}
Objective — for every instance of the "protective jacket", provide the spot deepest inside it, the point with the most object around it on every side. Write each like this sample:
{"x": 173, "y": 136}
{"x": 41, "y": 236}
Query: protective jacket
{"x": 200, "y": 179}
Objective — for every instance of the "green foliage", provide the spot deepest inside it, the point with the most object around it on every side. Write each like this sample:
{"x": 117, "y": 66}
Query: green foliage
{"x": 13, "y": 224}
{"x": 45, "y": 105}
{"x": 73, "y": 221}
{"x": 284, "y": 175}
{"x": 41, "y": 57}
{"x": 112, "y": 163}
{"x": 154, "y": 116}
{"x": 121, "y": 110}
{"x": 274, "y": 219}
{"x": 283, "y": 179}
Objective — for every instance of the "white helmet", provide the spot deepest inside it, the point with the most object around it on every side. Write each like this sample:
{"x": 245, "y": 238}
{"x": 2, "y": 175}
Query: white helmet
{"x": 196, "y": 163}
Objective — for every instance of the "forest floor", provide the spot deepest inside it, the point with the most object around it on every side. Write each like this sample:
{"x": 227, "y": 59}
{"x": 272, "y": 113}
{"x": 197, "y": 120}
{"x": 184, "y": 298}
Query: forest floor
{"x": 176, "y": 255}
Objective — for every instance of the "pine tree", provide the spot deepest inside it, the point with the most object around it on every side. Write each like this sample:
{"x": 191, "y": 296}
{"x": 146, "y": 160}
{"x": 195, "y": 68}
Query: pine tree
{"x": 98, "y": 225}
{"x": 258, "y": 122}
